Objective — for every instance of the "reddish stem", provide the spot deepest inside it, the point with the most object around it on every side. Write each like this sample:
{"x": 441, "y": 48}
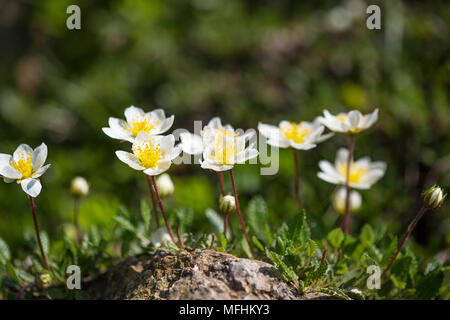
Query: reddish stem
{"x": 347, "y": 217}
{"x": 411, "y": 227}
{"x": 297, "y": 181}
{"x": 241, "y": 220}
{"x": 36, "y": 228}
{"x": 180, "y": 240}
{"x": 162, "y": 210}
{"x": 152, "y": 196}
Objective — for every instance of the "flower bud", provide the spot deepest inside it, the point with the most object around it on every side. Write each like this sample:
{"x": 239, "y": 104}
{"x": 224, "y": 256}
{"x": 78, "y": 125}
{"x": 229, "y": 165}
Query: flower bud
{"x": 45, "y": 280}
{"x": 79, "y": 187}
{"x": 434, "y": 197}
{"x": 160, "y": 237}
{"x": 165, "y": 185}
{"x": 227, "y": 204}
{"x": 339, "y": 201}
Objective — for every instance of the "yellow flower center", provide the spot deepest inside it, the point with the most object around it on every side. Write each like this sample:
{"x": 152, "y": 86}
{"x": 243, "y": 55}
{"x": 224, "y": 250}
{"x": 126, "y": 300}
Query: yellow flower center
{"x": 342, "y": 117}
{"x": 296, "y": 132}
{"x": 149, "y": 154}
{"x": 139, "y": 125}
{"x": 224, "y": 152}
{"x": 356, "y": 171}
{"x": 23, "y": 165}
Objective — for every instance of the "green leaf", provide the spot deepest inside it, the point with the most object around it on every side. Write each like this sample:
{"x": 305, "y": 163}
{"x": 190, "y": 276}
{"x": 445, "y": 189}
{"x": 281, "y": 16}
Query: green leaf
{"x": 257, "y": 243}
{"x": 215, "y": 220}
{"x": 429, "y": 286}
{"x": 389, "y": 252}
{"x": 45, "y": 242}
{"x": 336, "y": 237}
{"x": 367, "y": 237}
{"x": 319, "y": 273}
{"x": 5, "y": 254}
{"x": 146, "y": 214}
{"x": 12, "y": 272}
{"x": 286, "y": 272}
{"x": 223, "y": 240}
{"x": 301, "y": 232}
{"x": 125, "y": 224}
{"x": 258, "y": 216}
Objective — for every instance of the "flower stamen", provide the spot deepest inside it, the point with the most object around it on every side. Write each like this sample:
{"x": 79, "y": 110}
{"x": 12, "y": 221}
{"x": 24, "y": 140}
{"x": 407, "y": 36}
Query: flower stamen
{"x": 149, "y": 154}
{"x": 23, "y": 165}
{"x": 296, "y": 132}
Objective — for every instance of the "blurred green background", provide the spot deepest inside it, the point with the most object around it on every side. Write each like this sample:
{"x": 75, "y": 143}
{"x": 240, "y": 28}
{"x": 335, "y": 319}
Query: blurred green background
{"x": 245, "y": 61}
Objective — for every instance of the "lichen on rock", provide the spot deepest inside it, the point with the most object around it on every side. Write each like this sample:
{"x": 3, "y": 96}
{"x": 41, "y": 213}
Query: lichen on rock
{"x": 200, "y": 274}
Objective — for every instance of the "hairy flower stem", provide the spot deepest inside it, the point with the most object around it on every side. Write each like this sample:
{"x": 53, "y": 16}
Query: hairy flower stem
{"x": 36, "y": 228}
{"x": 76, "y": 213}
{"x": 347, "y": 217}
{"x": 162, "y": 211}
{"x": 411, "y": 227}
{"x": 225, "y": 220}
{"x": 152, "y": 196}
{"x": 241, "y": 220}
{"x": 297, "y": 181}
{"x": 180, "y": 240}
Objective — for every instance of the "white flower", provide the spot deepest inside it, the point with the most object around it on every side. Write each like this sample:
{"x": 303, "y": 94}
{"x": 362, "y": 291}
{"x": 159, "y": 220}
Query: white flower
{"x": 160, "y": 237}
{"x": 25, "y": 166}
{"x": 339, "y": 201}
{"x": 224, "y": 150}
{"x": 363, "y": 173}
{"x": 222, "y": 146}
{"x": 434, "y": 197}
{"x": 79, "y": 187}
{"x": 352, "y": 122}
{"x": 195, "y": 144}
{"x": 151, "y": 154}
{"x": 165, "y": 185}
{"x": 301, "y": 136}
{"x": 153, "y": 123}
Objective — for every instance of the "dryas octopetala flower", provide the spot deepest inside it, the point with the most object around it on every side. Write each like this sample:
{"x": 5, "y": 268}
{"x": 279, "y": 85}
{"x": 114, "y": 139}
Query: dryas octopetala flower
{"x": 339, "y": 201}
{"x": 79, "y": 187}
{"x": 165, "y": 185}
{"x": 363, "y": 173}
{"x": 301, "y": 136}
{"x": 25, "y": 166}
{"x": 226, "y": 149}
{"x": 153, "y": 123}
{"x": 195, "y": 144}
{"x": 434, "y": 197}
{"x": 351, "y": 122}
{"x": 227, "y": 204}
{"x": 151, "y": 154}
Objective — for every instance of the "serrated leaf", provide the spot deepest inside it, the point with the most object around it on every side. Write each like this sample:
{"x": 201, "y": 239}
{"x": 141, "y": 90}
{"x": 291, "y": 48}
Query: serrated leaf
{"x": 258, "y": 216}
{"x": 145, "y": 214}
{"x": 389, "y": 252}
{"x": 301, "y": 232}
{"x": 257, "y": 243}
{"x": 5, "y": 254}
{"x": 317, "y": 274}
{"x": 286, "y": 272}
{"x": 367, "y": 237}
{"x": 125, "y": 224}
{"x": 429, "y": 286}
{"x": 336, "y": 237}
{"x": 215, "y": 220}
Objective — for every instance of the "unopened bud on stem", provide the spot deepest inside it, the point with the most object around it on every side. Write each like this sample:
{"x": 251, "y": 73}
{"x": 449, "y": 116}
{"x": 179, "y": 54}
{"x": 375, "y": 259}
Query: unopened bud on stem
{"x": 165, "y": 185}
{"x": 227, "y": 204}
{"x": 79, "y": 187}
{"x": 434, "y": 197}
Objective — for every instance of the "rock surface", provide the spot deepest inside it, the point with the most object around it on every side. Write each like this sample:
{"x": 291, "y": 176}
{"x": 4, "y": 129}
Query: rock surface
{"x": 199, "y": 274}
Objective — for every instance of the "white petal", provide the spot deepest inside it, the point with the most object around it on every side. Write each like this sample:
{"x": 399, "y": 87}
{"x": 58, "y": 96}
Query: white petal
{"x": 210, "y": 165}
{"x": 279, "y": 143}
{"x": 176, "y": 151}
{"x": 161, "y": 167}
{"x": 32, "y": 187}
{"x": 132, "y": 114}
{"x": 353, "y": 119}
{"x": 22, "y": 151}
{"x": 5, "y": 159}
{"x": 130, "y": 159}
{"x": 341, "y": 156}
{"x": 41, "y": 171}
{"x": 164, "y": 126}
{"x": 191, "y": 143}
{"x": 247, "y": 154}
{"x": 158, "y": 114}
{"x": 39, "y": 156}
{"x": 328, "y": 178}
{"x": 303, "y": 146}
{"x": 269, "y": 131}
{"x": 10, "y": 173}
